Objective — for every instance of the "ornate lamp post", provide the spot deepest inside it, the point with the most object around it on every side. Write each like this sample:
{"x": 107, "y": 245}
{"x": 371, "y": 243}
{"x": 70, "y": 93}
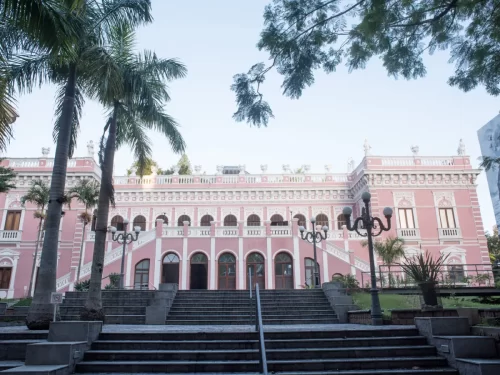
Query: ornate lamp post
{"x": 374, "y": 227}
{"x": 124, "y": 238}
{"x": 314, "y": 238}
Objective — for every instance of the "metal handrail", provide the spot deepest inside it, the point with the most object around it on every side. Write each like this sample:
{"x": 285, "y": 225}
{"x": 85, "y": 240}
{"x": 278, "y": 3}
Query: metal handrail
{"x": 260, "y": 328}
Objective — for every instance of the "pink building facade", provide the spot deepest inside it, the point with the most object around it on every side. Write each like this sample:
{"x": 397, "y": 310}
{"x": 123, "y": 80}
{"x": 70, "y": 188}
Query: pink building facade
{"x": 210, "y": 231}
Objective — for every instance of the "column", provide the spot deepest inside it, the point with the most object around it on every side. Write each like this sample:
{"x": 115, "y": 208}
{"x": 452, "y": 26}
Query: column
{"x": 241, "y": 260}
{"x": 10, "y": 293}
{"x": 270, "y": 267}
{"x": 128, "y": 272}
{"x": 296, "y": 262}
{"x": 184, "y": 262}
{"x": 212, "y": 260}
{"x": 326, "y": 273}
{"x": 157, "y": 266}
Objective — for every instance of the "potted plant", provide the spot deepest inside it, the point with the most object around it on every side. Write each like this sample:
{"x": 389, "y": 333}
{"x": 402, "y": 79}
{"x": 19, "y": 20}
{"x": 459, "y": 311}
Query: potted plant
{"x": 424, "y": 269}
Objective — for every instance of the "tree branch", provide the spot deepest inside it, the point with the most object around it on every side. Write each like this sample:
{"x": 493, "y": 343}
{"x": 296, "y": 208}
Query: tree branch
{"x": 437, "y": 17}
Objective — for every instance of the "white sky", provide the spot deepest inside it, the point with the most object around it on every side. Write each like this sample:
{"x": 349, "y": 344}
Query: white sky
{"x": 216, "y": 39}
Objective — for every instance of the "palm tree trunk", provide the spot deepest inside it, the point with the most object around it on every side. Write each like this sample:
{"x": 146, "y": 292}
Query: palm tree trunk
{"x": 81, "y": 252}
{"x": 93, "y": 306}
{"x": 41, "y": 310}
{"x": 33, "y": 267}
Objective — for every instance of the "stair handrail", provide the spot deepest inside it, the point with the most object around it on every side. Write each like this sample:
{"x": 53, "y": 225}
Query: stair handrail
{"x": 260, "y": 329}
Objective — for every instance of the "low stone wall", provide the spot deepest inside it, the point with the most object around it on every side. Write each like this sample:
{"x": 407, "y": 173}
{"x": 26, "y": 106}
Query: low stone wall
{"x": 489, "y": 313}
{"x": 407, "y": 316}
{"x": 488, "y": 331}
{"x": 359, "y": 317}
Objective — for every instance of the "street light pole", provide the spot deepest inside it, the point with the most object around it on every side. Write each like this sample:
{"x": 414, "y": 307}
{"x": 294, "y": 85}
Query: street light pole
{"x": 374, "y": 227}
{"x": 314, "y": 238}
{"x": 124, "y": 238}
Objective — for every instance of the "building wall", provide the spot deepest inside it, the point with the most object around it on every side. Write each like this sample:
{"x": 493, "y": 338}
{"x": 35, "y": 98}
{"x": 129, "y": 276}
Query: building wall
{"x": 422, "y": 184}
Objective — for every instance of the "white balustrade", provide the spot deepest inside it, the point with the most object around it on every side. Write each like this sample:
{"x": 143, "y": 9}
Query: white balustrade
{"x": 335, "y": 251}
{"x": 361, "y": 265}
{"x": 63, "y": 281}
{"x": 144, "y": 237}
{"x": 91, "y": 236}
{"x": 356, "y": 236}
{"x": 172, "y": 231}
{"x": 226, "y": 232}
{"x": 335, "y": 235}
{"x": 10, "y": 235}
{"x": 437, "y": 162}
{"x": 199, "y": 231}
{"x": 450, "y": 233}
{"x": 398, "y": 162}
{"x": 254, "y": 231}
{"x": 409, "y": 233}
{"x": 24, "y": 163}
{"x": 281, "y": 231}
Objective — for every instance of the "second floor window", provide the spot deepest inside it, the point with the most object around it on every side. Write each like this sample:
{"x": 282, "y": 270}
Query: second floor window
{"x": 447, "y": 218}
{"x": 406, "y": 220}
{"x": 13, "y": 220}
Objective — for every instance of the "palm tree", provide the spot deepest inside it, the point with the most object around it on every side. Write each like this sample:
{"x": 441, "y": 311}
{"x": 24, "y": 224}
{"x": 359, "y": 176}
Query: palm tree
{"x": 491, "y": 163}
{"x": 7, "y": 176}
{"x": 38, "y": 194}
{"x": 85, "y": 192}
{"x": 71, "y": 69}
{"x": 137, "y": 107}
{"x": 389, "y": 250}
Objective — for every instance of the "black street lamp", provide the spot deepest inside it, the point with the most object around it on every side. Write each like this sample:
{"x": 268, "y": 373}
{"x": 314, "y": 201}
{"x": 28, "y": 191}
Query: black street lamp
{"x": 374, "y": 227}
{"x": 124, "y": 238}
{"x": 314, "y": 238}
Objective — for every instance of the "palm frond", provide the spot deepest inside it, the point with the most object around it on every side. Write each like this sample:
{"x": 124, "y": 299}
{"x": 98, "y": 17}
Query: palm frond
{"x": 153, "y": 66}
{"x": 7, "y": 177}
{"x": 86, "y": 192}
{"x": 8, "y": 114}
{"x": 75, "y": 121}
{"x": 38, "y": 194}
{"x": 489, "y": 163}
{"x": 27, "y": 71}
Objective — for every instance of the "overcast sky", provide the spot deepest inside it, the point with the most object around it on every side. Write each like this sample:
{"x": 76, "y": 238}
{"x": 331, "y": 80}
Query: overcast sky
{"x": 216, "y": 39}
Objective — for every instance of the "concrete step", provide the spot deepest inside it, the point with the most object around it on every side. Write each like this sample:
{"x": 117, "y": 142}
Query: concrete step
{"x": 109, "y": 294}
{"x": 423, "y": 371}
{"x": 24, "y": 335}
{"x": 175, "y": 345}
{"x": 339, "y": 364}
{"x": 39, "y": 370}
{"x": 111, "y": 302}
{"x": 177, "y": 336}
{"x": 249, "y": 321}
{"x": 479, "y": 366}
{"x": 108, "y": 310}
{"x": 15, "y": 349}
{"x": 200, "y": 315}
{"x": 172, "y": 355}
{"x": 166, "y": 366}
{"x": 345, "y": 342}
{"x": 8, "y": 364}
{"x": 112, "y": 319}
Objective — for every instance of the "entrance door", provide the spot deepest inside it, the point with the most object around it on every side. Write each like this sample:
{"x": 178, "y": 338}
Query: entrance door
{"x": 170, "y": 269}
{"x": 227, "y": 272}
{"x": 199, "y": 272}
{"x": 309, "y": 270}
{"x": 256, "y": 268}
{"x": 283, "y": 267}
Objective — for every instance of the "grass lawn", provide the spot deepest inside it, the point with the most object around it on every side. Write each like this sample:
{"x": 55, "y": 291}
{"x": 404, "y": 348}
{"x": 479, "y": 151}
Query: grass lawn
{"x": 395, "y": 301}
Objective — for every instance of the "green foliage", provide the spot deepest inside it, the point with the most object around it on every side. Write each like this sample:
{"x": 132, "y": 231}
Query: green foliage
{"x": 147, "y": 168}
{"x": 7, "y": 177}
{"x": 302, "y": 36}
{"x": 23, "y": 302}
{"x": 38, "y": 194}
{"x": 85, "y": 192}
{"x": 349, "y": 281}
{"x": 114, "y": 281}
{"x": 184, "y": 166}
{"x": 424, "y": 269}
{"x": 493, "y": 242}
{"x": 82, "y": 286}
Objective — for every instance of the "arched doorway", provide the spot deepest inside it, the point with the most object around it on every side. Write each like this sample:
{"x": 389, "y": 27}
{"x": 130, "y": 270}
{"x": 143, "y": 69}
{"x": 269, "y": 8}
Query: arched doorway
{"x": 139, "y": 221}
{"x": 309, "y": 272}
{"x": 117, "y": 222}
{"x": 256, "y": 268}
{"x": 322, "y": 220}
{"x": 302, "y": 220}
{"x": 283, "y": 268}
{"x": 141, "y": 276}
{"x": 253, "y": 221}
{"x": 277, "y": 220}
{"x": 182, "y": 219}
{"x": 206, "y": 220}
{"x": 199, "y": 272}
{"x": 341, "y": 221}
{"x": 230, "y": 221}
{"x": 227, "y": 272}
{"x": 162, "y": 217}
{"x": 170, "y": 269}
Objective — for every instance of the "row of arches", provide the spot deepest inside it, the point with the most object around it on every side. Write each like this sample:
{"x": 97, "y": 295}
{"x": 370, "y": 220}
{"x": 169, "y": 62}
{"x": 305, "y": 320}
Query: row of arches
{"x": 226, "y": 271}
{"x": 229, "y": 221}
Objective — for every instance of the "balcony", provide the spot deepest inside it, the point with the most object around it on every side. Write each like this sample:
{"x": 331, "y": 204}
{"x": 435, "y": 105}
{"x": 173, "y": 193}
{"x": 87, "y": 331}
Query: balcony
{"x": 10, "y": 235}
{"x": 450, "y": 233}
{"x": 409, "y": 233}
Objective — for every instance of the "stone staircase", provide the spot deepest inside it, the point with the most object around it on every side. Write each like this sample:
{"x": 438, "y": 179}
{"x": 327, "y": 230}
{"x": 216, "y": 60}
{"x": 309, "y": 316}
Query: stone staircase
{"x": 120, "y": 307}
{"x": 13, "y": 346}
{"x": 217, "y": 307}
{"x": 396, "y": 351}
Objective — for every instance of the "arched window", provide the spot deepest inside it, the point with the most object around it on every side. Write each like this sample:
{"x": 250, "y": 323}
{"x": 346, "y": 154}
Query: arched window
{"x": 117, "y": 222}
{"x": 341, "y": 221}
{"x": 205, "y": 220}
{"x": 162, "y": 217}
{"x": 140, "y": 221}
{"x": 277, "y": 220}
{"x": 309, "y": 270}
{"x": 182, "y": 219}
{"x": 141, "y": 278}
{"x": 227, "y": 272}
{"x": 302, "y": 220}
{"x": 253, "y": 221}
{"x": 230, "y": 221}
{"x": 322, "y": 220}
{"x": 94, "y": 220}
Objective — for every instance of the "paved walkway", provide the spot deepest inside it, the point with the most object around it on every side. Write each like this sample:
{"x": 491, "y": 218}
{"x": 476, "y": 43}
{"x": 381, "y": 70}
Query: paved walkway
{"x": 226, "y": 328}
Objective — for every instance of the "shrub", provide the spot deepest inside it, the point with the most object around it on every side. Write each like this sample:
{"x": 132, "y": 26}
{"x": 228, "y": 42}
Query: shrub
{"x": 349, "y": 281}
{"x": 82, "y": 286}
{"x": 23, "y": 302}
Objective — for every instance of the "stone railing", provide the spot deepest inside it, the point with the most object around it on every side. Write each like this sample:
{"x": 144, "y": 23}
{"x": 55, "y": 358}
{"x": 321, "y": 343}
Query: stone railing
{"x": 63, "y": 281}
{"x": 409, "y": 233}
{"x": 450, "y": 233}
{"x": 232, "y": 179}
{"x": 10, "y": 235}
{"x": 199, "y": 232}
{"x": 144, "y": 237}
{"x": 226, "y": 232}
{"x": 417, "y": 161}
{"x": 254, "y": 231}
{"x": 36, "y": 162}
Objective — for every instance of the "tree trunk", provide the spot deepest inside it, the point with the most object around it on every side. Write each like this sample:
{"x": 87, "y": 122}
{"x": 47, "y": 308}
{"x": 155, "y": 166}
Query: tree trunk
{"x": 33, "y": 267}
{"x": 81, "y": 252}
{"x": 93, "y": 306}
{"x": 41, "y": 311}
